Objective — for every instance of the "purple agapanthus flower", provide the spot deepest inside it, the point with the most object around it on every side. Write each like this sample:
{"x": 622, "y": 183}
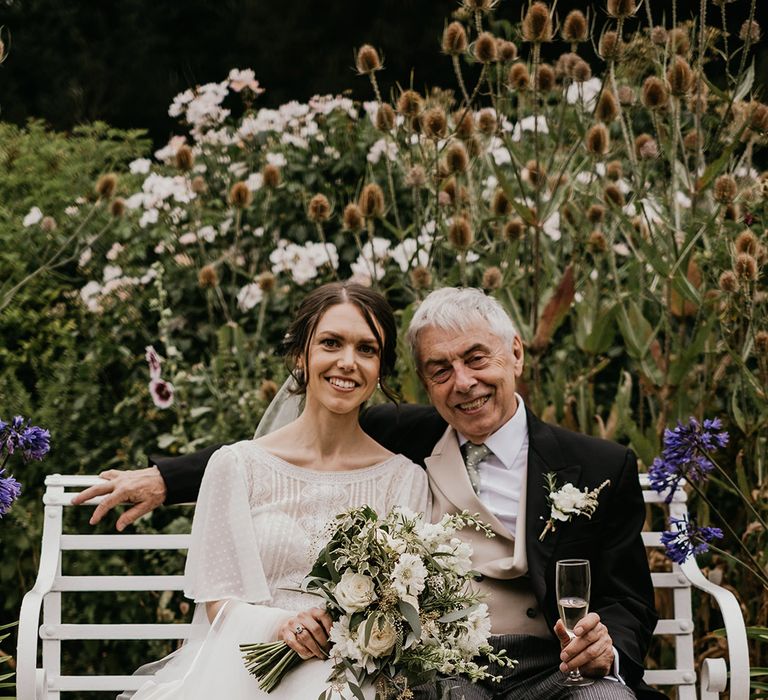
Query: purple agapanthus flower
{"x": 9, "y": 492}
{"x": 685, "y": 454}
{"x": 685, "y": 539}
{"x": 32, "y": 441}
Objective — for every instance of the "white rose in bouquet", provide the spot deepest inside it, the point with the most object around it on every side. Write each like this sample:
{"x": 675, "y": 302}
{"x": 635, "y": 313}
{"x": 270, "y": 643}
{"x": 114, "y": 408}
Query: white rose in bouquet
{"x": 354, "y": 591}
{"x": 382, "y": 639}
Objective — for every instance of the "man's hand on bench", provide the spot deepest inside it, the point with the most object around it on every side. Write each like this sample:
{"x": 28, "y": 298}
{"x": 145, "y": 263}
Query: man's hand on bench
{"x": 145, "y": 488}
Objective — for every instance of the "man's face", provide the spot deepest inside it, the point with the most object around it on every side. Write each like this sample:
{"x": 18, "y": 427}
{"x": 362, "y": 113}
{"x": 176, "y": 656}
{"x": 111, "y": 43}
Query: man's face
{"x": 470, "y": 377}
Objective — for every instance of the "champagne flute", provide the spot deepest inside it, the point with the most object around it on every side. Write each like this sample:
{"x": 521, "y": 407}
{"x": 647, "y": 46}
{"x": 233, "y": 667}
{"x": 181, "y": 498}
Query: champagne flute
{"x": 572, "y": 583}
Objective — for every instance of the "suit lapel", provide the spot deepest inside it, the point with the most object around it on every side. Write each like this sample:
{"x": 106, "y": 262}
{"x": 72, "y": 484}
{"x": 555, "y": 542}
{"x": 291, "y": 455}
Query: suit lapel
{"x": 448, "y": 473}
{"x": 544, "y": 456}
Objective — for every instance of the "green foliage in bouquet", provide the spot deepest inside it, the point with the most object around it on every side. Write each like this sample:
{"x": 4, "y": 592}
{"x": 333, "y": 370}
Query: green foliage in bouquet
{"x": 398, "y": 590}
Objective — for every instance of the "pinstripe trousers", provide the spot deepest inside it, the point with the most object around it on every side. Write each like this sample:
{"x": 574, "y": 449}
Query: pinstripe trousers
{"x": 534, "y": 677}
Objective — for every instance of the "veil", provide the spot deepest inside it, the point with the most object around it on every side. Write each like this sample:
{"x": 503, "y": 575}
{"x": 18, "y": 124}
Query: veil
{"x": 284, "y": 408}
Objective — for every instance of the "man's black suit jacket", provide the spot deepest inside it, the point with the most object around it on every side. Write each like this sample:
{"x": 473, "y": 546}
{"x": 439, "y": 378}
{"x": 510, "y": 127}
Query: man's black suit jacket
{"x": 622, "y": 593}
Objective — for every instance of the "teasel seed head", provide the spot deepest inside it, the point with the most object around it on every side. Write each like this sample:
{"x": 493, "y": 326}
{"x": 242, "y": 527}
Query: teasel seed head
{"x": 500, "y": 204}
{"x": 117, "y": 207}
{"x": 655, "y": 93}
{"x": 268, "y": 390}
{"x": 451, "y": 189}
{"x": 641, "y": 226}
{"x": 751, "y": 30}
{"x": 409, "y": 104}
{"x": 199, "y": 185}
{"x": 692, "y": 140}
{"x": 474, "y": 147}
{"x": 485, "y": 48}
{"x": 486, "y": 121}
{"x": 761, "y": 342}
{"x": 745, "y": 267}
{"x": 479, "y": 5}
{"x": 208, "y": 278}
{"x": 518, "y": 77}
{"x": 537, "y": 175}
{"x": 725, "y": 189}
{"x": 492, "y": 278}
{"x": 545, "y": 77}
{"x": 271, "y": 176}
{"x": 613, "y": 195}
{"x": 728, "y": 282}
{"x": 608, "y": 47}
{"x": 581, "y": 71}
{"x": 557, "y": 180}
{"x": 621, "y": 9}
{"x": 567, "y": 215}
{"x": 385, "y": 117}
{"x": 679, "y": 76}
{"x": 371, "y": 201}
{"x": 184, "y": 159}
{"x": 597, "y": 242}
{"x": 421, "y": 277}
{"x": 731, "y": 212}
{"x": 433, "y": 123}
{"x": 464, "y": 122}
{"x": 537, "y": 23}
{"x": 367, "y": 60}
{"x": 626, "y": 95}
{"x": 353, "y": 218}
{"x": 746, "y": 242}
{"x": 575, "y": 27}
{"x": 319, "y": 209}
{"x": 614, "y": 170}
{"x": 514, "y": 229}
{"x": 106, "y": 186}
{"x": 659, "y": 36}
{"x": 596, "y": 214}
{"x": 758, "y": 117}
{"x": 456, "y": 158}
{"x": 597, "y": 140}
{"x": 266, "y": 281}
{"x": 240, "y": 196}
{"x": 48, "y": 224}
{"x": 416, "y": 177}
{"x": 507, "y": 51}
{"x": 460, "y": 233}
{"x": 646, "y": 147}
{"x": 679, "y": 41}
{"x": 606, "y": 110}
{"x": 454, "y": 39}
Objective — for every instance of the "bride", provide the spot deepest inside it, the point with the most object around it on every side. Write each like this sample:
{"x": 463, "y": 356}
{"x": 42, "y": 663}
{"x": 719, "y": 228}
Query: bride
{"x": 264, "y": 505}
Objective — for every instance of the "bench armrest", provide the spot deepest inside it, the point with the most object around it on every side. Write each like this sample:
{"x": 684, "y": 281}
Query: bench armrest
{"x": 736, "y": 635}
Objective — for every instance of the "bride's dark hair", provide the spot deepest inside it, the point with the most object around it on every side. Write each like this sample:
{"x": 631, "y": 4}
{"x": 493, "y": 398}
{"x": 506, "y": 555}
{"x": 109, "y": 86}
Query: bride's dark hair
{"x": 375, "y": 310}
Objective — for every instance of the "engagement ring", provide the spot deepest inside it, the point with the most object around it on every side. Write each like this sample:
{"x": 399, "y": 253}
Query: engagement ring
{"x": 299, "y": 629}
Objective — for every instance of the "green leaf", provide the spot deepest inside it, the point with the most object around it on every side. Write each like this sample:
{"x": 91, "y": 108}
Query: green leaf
{"x": 746, "y": 84}
{"x": 457, "y": 614}
{"x": 412, "y": 616}
{"x": 198, "y": 411}
{"x": 165, "y": 440}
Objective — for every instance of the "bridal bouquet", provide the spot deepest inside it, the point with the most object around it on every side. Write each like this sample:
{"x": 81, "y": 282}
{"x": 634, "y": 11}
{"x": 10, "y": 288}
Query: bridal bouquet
{"x": 398, "y": 591}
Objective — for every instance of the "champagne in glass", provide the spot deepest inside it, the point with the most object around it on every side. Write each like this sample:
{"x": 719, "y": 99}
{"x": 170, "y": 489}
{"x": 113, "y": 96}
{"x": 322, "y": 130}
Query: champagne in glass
{"x": 572, "y": 583}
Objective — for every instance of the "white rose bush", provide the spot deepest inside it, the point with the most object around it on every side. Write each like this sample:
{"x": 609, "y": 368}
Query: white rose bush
{"x": 399, "y": 592}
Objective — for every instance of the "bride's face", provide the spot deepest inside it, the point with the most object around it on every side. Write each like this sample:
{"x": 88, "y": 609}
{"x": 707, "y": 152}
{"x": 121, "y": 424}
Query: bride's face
{"x": 343, "y": 360}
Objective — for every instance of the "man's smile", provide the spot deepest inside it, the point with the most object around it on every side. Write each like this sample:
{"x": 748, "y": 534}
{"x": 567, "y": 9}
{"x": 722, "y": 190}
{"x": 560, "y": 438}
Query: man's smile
{"x": 473, "y": 405}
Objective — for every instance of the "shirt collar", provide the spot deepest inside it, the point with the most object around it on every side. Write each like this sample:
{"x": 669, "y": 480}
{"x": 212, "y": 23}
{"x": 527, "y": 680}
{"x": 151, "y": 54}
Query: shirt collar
{"x": 508, "y": 440}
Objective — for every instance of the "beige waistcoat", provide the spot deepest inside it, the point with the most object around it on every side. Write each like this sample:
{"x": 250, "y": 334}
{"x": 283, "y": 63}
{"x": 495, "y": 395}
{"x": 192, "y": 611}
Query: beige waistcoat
{"x": 502, "y": 566}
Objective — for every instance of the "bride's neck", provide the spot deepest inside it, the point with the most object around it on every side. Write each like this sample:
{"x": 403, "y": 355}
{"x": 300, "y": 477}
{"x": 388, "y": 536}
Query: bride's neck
{"x": 328, "y": 434}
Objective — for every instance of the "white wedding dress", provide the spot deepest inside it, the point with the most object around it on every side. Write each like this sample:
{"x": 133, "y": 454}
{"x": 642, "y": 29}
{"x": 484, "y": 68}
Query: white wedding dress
{"x": 258, "y": 527}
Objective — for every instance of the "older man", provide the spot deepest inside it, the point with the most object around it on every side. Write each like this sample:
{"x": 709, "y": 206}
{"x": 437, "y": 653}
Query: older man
{"x": 485, "y": 452}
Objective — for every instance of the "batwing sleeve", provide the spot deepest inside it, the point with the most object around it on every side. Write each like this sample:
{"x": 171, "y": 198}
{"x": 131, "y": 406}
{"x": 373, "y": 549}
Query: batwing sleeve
{"x": 413, "y": 491}
{"x": 223, "y": 560}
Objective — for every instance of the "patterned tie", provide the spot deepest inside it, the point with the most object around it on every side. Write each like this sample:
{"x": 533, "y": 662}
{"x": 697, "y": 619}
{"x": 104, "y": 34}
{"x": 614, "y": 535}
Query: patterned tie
{"x": 473, "y": 455}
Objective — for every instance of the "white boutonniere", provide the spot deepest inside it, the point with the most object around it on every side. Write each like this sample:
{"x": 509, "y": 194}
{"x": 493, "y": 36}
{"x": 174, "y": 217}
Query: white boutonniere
{"x": 567, "y": 501}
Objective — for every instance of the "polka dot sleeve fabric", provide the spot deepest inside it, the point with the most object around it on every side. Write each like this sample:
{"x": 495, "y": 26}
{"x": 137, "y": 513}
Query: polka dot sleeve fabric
{"x": 224, "y": 560}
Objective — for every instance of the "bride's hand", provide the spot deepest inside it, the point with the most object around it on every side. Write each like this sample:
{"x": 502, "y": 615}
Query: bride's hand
{"x": 307, "y": 633}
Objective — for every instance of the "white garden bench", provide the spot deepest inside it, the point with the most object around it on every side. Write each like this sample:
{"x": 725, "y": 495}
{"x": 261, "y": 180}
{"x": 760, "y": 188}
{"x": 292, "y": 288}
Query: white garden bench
{"x": 46, "y": 681}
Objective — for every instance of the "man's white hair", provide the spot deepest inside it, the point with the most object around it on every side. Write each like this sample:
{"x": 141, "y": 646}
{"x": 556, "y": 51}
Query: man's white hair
{"x": 457, "y": 309}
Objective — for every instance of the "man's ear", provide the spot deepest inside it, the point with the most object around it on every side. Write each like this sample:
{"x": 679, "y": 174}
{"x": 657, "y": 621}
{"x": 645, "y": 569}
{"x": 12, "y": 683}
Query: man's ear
{"x": 519, "y": 354}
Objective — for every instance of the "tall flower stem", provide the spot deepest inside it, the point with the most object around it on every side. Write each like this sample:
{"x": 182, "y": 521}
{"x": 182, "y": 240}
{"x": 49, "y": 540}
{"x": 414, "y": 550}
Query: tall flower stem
{"x": 460, "y": 78}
